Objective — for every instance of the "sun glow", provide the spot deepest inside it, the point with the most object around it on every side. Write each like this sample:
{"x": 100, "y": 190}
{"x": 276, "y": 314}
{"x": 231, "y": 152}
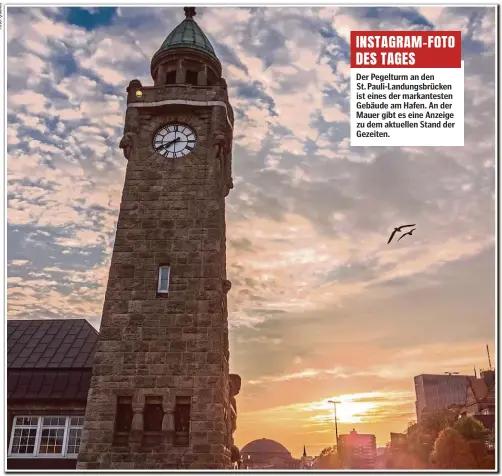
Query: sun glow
{"x": 351, "y": 408}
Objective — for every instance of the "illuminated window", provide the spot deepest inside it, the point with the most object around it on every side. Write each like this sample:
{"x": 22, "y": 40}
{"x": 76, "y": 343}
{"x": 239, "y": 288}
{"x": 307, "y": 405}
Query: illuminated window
{"x": 163, "y": 284}
{"x": 46, "y": 436}
{"x": 52, "y": 436}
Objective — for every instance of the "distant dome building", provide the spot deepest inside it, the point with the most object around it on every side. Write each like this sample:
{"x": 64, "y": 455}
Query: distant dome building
{"x": 267, "y": 454}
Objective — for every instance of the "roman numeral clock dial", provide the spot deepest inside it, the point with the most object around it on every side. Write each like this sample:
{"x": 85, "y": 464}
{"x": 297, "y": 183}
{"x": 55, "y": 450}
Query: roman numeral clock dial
{"x": 174, "y": 141}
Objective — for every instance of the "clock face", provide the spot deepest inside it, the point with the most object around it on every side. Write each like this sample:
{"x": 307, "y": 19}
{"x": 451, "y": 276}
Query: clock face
{"x": 174, "y": 141}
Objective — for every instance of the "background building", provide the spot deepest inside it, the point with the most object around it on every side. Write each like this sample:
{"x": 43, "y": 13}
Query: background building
{"x": 480, "y": 400}
{"x": 358, "y": 451}
{"x": 306, "y": 461}
{"x": 439, "y": 392}
{"x": 49, "y": 367}
{"x": 267, "y": 454}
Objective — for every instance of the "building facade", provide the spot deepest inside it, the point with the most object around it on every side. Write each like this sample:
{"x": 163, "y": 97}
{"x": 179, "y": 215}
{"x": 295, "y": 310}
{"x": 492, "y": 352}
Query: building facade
{"x": 439, "y": 392}
{"x": 161, "y": 395}
{"x": 480, "y": 401}
{"x": 49, "y": 368}
{"x": 357, "y": 450}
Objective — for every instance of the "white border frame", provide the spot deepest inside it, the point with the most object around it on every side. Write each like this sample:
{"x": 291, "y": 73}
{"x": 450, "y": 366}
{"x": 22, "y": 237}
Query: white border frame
{"x": 229, "y": 3}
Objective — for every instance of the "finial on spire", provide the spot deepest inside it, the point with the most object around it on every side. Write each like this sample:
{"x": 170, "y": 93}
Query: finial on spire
{"x": 189, "y": 12}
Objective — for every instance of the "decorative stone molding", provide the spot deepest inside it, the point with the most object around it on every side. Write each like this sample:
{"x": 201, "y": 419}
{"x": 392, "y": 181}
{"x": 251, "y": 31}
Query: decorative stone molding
{"x": 134, "y": 85}
{"x": 230, "y": 186}
{"x": 166, "y": 102}
{"x": 235, "y": 384}
{"x": 128, "y": 144}
{"x": 137, "y": 419}
{"x": 227, "y": 285}
{"x": 222, "y": 153}
{"x": 168, "y": 419}
{"x": 219, "y": 144}
{"x": 234, "y": 389}
{"x": 180, "y": 72}
{"x": 228, "y": 167}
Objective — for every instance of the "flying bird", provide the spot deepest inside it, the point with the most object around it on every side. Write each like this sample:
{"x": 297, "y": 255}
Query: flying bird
{"x": 399, "y": 228}
{"x": 408, "y": 233}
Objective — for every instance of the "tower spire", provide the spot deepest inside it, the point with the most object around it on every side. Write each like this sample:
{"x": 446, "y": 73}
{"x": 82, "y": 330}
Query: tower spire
{"x": 189, "y": 12}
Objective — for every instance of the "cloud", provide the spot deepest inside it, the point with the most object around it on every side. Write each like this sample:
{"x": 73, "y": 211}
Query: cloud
{"x": 304, "y": 374}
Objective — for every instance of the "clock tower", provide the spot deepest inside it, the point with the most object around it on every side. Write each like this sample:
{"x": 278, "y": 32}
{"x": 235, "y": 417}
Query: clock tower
{"x": 161, "y": 395}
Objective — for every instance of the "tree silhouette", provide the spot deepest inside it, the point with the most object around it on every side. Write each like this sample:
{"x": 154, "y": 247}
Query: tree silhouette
{"x": 471, "y": 429}
{"x": 474, "y": 432}
{"x": 452, "y": 451}
{"x": 329, "y": 459}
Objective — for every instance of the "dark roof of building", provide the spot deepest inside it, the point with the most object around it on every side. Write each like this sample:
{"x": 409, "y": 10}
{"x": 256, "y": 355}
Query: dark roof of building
{"x": 51, "y": 384}
{"x": 50, "y": 344}
{"x": 442, "y": 377}
{"x": 265, "y": 446}
{"x": 481, "y": 392}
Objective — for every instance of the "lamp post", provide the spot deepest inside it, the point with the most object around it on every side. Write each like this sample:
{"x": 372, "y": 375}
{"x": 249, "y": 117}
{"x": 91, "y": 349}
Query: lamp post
{"x": 334, "y": 402}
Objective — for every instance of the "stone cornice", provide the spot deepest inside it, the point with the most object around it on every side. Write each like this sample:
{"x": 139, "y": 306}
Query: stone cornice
{"x": 166, "y": 102}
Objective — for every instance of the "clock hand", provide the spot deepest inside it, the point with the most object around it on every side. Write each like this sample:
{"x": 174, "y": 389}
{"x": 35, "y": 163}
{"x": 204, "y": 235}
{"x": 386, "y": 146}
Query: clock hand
{"x": 168, "y": 144}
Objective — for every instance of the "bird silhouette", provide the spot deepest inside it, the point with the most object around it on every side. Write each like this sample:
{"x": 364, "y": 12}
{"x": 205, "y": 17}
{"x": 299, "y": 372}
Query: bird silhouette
{"x": 399, "y": 228}
{"x": 408, "y": 233}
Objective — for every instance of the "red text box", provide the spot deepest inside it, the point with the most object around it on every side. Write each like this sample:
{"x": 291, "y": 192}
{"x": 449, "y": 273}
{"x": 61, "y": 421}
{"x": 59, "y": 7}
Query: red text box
{"x": 405, "y": 49}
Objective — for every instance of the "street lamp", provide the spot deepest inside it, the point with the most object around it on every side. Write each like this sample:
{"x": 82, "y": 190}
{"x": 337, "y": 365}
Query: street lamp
{"x": 334, "y": 402}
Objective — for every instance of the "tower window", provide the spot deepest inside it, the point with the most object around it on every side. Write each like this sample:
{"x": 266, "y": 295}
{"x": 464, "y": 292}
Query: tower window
{"x": 211, "y": 78}
{"x": 153, "y": 414}
{"x": 182, "y": 421}
{"x": 192, "y": 77}
{"x": 163, "y": 284}
{"x": 123, "y": 418}
{"x": 171, "y": 77}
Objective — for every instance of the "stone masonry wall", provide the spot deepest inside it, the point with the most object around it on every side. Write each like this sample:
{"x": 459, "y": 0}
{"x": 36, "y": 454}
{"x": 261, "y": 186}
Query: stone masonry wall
{"x": 172, "y": 213}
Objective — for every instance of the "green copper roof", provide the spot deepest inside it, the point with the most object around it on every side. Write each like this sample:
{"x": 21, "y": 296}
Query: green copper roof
{"x": 188, "y": 35}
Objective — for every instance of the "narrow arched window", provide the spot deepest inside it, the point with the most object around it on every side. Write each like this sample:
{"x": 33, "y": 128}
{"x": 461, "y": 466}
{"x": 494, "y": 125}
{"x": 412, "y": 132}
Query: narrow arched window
{"x": 171, "y": 77}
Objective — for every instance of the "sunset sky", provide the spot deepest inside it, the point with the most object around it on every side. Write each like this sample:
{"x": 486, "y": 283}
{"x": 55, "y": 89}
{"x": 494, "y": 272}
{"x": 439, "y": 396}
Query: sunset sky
{"x": 321, "y": 307}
